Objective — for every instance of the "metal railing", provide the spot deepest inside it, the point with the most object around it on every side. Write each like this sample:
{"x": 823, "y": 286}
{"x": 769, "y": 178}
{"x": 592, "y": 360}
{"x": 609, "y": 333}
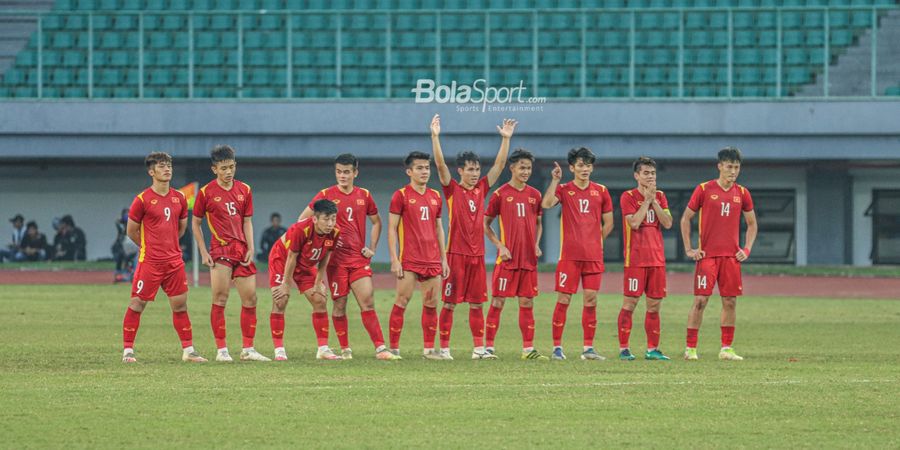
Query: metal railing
{"x": 580, "y": 21}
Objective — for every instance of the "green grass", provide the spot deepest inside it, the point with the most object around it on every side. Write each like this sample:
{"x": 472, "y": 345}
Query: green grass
{"x": 819, "y": 373}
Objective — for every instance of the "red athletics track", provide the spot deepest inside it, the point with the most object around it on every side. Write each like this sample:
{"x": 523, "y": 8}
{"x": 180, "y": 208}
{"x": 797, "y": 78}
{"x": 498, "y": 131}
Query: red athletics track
{"x": 678, "y": 283}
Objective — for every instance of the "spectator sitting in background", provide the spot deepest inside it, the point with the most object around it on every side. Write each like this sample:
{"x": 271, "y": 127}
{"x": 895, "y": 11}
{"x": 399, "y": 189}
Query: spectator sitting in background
{"x": 15, "y": 244}
{"x": 123, "y": 250}
{"x": 34, "y": 245}
{"x": 69, "y": 243}
{"x": 269, "y": 236}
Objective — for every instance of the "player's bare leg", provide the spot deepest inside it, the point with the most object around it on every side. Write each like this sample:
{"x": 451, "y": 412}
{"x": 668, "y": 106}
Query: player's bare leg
{"x": 652, "y": 328}
{"x": 276, "y": 322}
{"x": 729, "y": 316}
{"x": 182, "y": 324}
{"x": 444, "y": 327}
{"x": 695, "y": 319}
{"x": 589, "y": 326}
{"x": 319, "y": 302}
{"x": 430, "y": 293}
{"x": 405, "y": 287}
{"x": 492, "y": 324}
{"x": 559, "y": 324}
{"x": 339, "y": 319}
{"x": 365, "y": 298}
{"x": 624, "y": 327}
{"x": 246, "y": 288}
{"x": 130, "y": 325}
{"x": 220, "y": 283}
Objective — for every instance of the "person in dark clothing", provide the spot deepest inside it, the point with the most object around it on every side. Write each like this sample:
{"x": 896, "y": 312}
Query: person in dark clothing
{"x": 34, "y": 244}
{"x": 69, "y": 243}
{"x": 269, "y": 236}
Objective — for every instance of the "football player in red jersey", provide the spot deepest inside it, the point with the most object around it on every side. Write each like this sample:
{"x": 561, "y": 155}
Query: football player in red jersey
{"x": 227, "y": 205}
{"x": 465, "y": 245}
{"x": 586, "y": 220}
{"x": 416, "y": 244}
{"x": 349, "y": 268}
{"x": 720, "y": 204}
{"x": 156, "y": 220}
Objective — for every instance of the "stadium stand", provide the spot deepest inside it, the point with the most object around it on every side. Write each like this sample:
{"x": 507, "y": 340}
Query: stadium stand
{"x": 378, "y": 48}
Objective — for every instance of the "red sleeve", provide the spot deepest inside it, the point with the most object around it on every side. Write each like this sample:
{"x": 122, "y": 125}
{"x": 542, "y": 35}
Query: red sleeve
{"x": 449, "y": 188}
{"x": 558, "y": 193}
{"x": 371, "y": 207}
{"x": 483, "y": 182}
{"x": 746, "y": 200}
{"x": 663, "y": 201}
{"x": 136, "y": 212}
{"x": 538, "y": 209}
{"x": 696, "y": 201}
{"x": 319, "y": 196}
{"x": 248, "y": 207}
{"x": 628, "y": 204}
{"x": 440, "y": 205}
{"x": 607, "y": 201}
{"x": 295, "y": 237}
{"x": 493, "y": 207}
{"x": 397, "y": 203}
{"x": 184, "y": 207}
{"x": 200, "y": 204}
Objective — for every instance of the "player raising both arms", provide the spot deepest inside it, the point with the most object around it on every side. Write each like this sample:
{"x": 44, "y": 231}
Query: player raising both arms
{"x": 465, "y": 245}
{"x": 644, "y": 210}
{"x": 302, "y": 255}
{"x": 517, "y": 207}
{"x": 156, "y": 220}
{"x": 720, "y": 203}
{"x": 349, "y": 267}
{"x": 415, "y": 228}
{"x": 227, "y": 205}
{"x": 586, "y": 220}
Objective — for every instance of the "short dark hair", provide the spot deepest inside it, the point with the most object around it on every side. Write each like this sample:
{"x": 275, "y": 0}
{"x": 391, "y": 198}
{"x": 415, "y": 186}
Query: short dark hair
{"x": 155, "y": 158}
{"x": 583, "y": 153}
{"x": 731, "y": 154}
{"x": 643, "y": 161}
{"x": 414, "y": 155}
{"x": 520, "y": 154}
{"x": 347, "y": 159}
{"x": 274, "y": 215}
{"x": 221, "y": 153}
{"x": 324, "y": 206}
{"x": 30, "y": 224}
{"x": 467, "y": 156}
{"x": 68, "y": 220}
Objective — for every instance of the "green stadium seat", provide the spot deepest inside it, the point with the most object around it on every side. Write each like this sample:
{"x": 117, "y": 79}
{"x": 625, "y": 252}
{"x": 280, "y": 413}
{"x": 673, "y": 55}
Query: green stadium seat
{"x": 158, "y": 40}
{"x": 127, "y": 23}
{"x": 180, "y": 5}
{"x": 841, "y": 37}
{"x": 798, "y": 75}
{"x": 26, "y": 57}
{"x": 51, "y": 22}
{"x": 130, "y": 5}
{"x": 15, "y": 77}
{"x": 893, "y": 91}
{"x": 102, "y": 22}
{"x": 85, "y": 5}
{"x": 160, "y": 5}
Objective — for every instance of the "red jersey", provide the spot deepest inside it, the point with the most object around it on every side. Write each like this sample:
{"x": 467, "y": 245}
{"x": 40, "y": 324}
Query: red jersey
{"x": 580, "y": 230}
{"x": 719, "y": 218}
{"x": 517, "y": 212}
{"x": 643, "y": 245}
{"x": 311, "y": 247}
{"x": 225, "y": 210}
{"x": 419, "y": 214}
{"x": 466, "y": 208}
{"x": 159, "y": 216}
{"x": 353, "y": 209}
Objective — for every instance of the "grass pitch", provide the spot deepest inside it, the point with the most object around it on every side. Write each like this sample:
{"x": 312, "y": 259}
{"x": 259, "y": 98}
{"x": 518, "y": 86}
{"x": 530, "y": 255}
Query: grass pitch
{"x": 819, "y": 372}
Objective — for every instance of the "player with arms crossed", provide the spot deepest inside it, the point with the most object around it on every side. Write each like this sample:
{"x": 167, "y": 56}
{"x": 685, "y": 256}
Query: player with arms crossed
{"x": 644, "y": 210}
{"x": 415, "y": 228}
{"x": 517, "y": 208}
{"x": 349, "y": 267}
{"x": 465, "y": 245}
{"x": 156, "y": 220}
{"x": 227, "y": 205}
{"x": 719, "y": 203}
{"x": 302, "y": 255}
{"x": 586, "y": 220}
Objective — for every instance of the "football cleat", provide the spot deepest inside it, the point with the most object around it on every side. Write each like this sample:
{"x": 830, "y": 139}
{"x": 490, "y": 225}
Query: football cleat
{"x": 280, "y": 354}
{"x": 655, "y": 355}
{"x": 327, "y": 354}
{"x": 690, "y": 354}
{"x": 432, "y": 355}
{"x": 728, "y": 354}
{"x": 558, "y": 354}
{"x": 387, "y": 355}
{"x": 223, "y": 356}
{"x": 484, "y": 355}
{"x": 128, "y": 356}
{"x": 534, "y": 354}
{"x": 192, "y": 357}
{"x": 252, "y": 355}
{"x": 445, "y": 354}
{"x": 625, "y": 355}
{"x": 346, "y": 353}
{"x": 591, "y": 355}
{"x": 394, "y": 351}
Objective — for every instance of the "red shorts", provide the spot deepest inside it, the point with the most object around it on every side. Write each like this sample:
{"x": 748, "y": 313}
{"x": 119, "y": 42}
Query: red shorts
{"x": 423, "y": 273}
{"x": 638, "y": 280}
{"x": 340, "y": 277}
{"x": 568, "y": 273}
{"x": 724, "y": 270}
{"x": 231, "y": 255}
{"x": 467, "y": 281}
{"x": 148, "y": 277}
{"x": 514, "y": 282}
{"x": 304, "y": 277}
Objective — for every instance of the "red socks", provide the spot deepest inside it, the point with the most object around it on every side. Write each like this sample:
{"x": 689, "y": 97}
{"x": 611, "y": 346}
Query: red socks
{"x": 476, "y": 324}
{"x": 446, "y": 325}
{"x": 396, "y": 325}
{"x": 559, "y": 322}
{"x": 493, "y": 324}
{"x": 625, "y": 327}
{"x": 651, "y": 326}
{"x": 182, "y": 324}
{"x": 429, "y": 325}
{"x": 727, "y": 336}
{"x": 341, "y": 326}
{"x": 370, "y": 322}
{"x": 526, "y": 326}
{"x": 130, "y": 325}
{"x": 692, "y": 338}
{"x": 320, "y": 325}
{"x": 276, "y": 322}
{"x": 589, "y": 324}
{"x": 248, "y": 325}
{"x": 217, "y": 320}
